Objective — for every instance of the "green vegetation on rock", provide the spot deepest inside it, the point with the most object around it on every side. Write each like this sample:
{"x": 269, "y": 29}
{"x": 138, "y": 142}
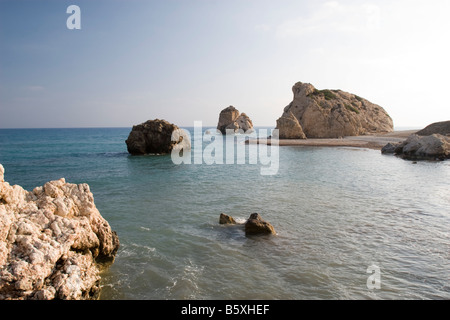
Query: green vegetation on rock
{"x": 327, "y": 94}
{"x": 351, "y": 108}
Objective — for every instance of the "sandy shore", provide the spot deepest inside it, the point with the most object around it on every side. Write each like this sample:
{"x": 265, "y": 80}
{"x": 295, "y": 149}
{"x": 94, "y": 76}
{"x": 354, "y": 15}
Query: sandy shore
{"x": 368, "y": 141}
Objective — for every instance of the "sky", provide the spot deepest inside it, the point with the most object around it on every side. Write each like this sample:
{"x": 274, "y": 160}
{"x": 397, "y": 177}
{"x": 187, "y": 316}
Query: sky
{"x": 186, "y": 60}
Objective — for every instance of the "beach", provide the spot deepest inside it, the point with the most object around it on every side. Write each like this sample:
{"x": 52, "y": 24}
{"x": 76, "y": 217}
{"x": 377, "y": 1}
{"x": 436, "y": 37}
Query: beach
{"x": 376, "y": 141}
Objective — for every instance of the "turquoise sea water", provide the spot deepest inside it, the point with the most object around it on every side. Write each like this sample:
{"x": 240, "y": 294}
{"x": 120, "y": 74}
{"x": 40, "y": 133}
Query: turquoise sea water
{"x": 338, "y": 212}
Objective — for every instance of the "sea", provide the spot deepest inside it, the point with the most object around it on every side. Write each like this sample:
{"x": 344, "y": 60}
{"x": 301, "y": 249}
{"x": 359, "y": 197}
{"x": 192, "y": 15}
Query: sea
{"x": 351, "y": 223}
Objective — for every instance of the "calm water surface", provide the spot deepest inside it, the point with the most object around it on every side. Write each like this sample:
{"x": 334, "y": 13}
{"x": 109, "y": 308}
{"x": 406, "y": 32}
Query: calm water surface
{"x": 337, "y": 211}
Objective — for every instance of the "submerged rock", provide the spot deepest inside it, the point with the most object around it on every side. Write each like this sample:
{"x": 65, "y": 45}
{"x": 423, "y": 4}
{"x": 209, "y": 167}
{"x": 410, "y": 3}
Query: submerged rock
{"x": 231, "y": 119}
{"x": 53, "y": 242}
{"x": 256, "y": 225}
{"x": 226, "y": 219}
{"x": 333, "y": 114}
{"x": 156, "y": 137}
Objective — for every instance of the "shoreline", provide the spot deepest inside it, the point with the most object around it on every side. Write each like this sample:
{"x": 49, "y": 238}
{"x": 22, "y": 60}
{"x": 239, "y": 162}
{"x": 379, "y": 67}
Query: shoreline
{"x": 376, "y": 141}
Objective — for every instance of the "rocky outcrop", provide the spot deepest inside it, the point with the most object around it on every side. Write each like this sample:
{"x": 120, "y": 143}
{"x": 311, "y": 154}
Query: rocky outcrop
{"x": 389, "y": 148}
{"x": 156, "y": 137}
{"x": 256, "y": 225}
{"x": 226, "y": 219}
{"x": 227, "y": 118}
{"x": 415, "y": 147}
{"x": 289, "y": 127}
{"x": 442, "y": 128}
{"x": 231, "y": 119}
{"x": 244, "y": 123}
{"x": 333, "y": 114}
{"x": 53, "y": 242}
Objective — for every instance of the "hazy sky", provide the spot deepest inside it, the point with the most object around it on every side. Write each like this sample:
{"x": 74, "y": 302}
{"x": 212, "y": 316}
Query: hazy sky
{"x": 186, "y": 60}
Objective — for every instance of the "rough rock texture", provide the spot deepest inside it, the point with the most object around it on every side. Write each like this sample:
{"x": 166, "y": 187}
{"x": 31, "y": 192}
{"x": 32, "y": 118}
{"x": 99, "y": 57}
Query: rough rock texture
{"x": 389, "y": 148}
{"x": 231, "y": 119}
{"x": 226, "y": 219}
{"x": 289, "y": 127}
{"x": 227, "y": 118}
{"x": 442, "y": 128}
{"x": 335, "y": 113}
{"x": 415, "y": 147}
{"x": 256, "y": 225}
{"x": 243, "y": 122}
{"x": 155, "y": 137}
{"x": 53, "y": 242}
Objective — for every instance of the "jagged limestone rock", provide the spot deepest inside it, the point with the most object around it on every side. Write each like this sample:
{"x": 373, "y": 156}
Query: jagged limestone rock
{"x": 53, "y": 242}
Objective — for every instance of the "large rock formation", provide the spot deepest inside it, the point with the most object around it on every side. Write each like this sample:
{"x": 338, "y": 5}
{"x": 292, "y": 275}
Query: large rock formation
{"x": 231, "y": 119}
{"x": 332, "y": 114}
{"x": 156, "y": 137}
{"x": 53, "y": 242}
{"x": 415, "y": 147}
{"x": 442, "y": 128}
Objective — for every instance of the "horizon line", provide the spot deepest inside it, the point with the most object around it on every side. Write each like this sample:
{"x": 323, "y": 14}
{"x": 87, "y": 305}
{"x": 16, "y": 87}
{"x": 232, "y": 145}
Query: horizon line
{"x": 125, "y": 127}
{"x": 110, "y": 127}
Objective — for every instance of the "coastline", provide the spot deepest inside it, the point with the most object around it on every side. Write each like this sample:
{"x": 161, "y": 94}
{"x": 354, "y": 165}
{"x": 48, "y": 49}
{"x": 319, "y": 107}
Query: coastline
{"x": 376, "y": 141}
{"x": 162, "y": 256}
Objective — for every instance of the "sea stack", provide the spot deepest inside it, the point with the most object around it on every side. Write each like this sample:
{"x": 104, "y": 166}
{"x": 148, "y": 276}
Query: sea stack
{"x": 156, "y": 137}
{"x": 330, "y": 114}
{"x": 231, "y": 119}
{"x": 53, "y": 242}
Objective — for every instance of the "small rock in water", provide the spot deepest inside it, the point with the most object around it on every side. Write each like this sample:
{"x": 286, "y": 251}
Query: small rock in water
{"x": 226, "y": 219}
{"x": 253, "y": 225}
{"x": 256, "y": 225}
